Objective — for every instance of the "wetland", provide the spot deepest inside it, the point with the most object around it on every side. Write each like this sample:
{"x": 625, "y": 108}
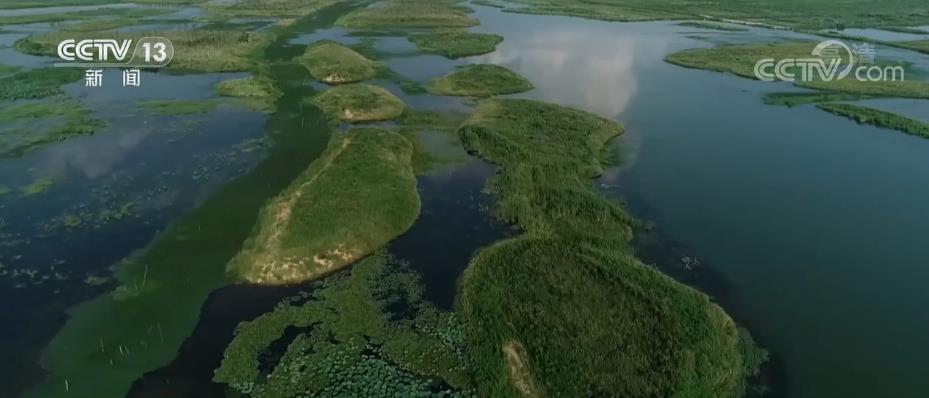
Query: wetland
{"x": 443, "y": 198}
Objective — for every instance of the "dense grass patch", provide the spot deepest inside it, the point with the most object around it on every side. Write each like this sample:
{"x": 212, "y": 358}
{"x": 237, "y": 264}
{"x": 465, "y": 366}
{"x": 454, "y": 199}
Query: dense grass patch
{"x": 37, "y": 83}
{"x": 714, "y": 26}
{"x": 409, "y": 14}
{"x": 879, "y": 118}
{"x": 195, "y": 50}
{"x": 351, "y": 341}
{"x": 357, "y": 196}
{"x": 456, "y": 43}
{"x": 258, "y": 92}
{"x": 84, "y": 15}
{"x": 483, "y": 80}
{"x": 739, "y": 59}
{"x": 566, "y": 309}
{"x": 359, "y": 103}
{"x": 902, "y": 89}
{"x": 179, "y": 107}
{"x": 269, "y": 8}
{"x": 333, "y": 63}
{"x": 809, "y": 14}
{"x": 796, "y": 99}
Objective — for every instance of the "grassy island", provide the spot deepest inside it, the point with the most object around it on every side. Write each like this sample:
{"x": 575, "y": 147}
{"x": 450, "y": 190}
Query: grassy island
{"x": 738, "y": 59}
{"x": 714, "y": 26}
{"x": 360, "y": 103}
{"x": 357, "y": 196}
{"x": 333, "y": 63}
{"x": 409, "y": 14}
{"x": 258, "y": 92}
{"x": 879, "y": 118}
{"x": 480, "y": 81}
{"x": 456, "y": 43}
{"x": 566, "y": 309}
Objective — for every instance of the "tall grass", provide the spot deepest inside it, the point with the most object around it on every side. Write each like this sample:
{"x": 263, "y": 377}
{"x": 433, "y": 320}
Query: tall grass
{"x": 409, "y": 14}
{"x": 879, "y": 118}
{"x": 456, "y": 43}
{"x": 333, "y": 63}
{"x": 482, "y": 80}
{"x": 360, "y": 103}
{"x": 565, "y": 309}
{"x": 357, "y": 196}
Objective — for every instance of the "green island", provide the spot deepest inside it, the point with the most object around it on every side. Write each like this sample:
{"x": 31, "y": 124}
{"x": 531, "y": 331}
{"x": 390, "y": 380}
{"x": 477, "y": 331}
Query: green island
{"x": 456, "y": 43}
{"x": 333, "y": 63}
{"x": 482, "y": 80}
{"x": 357, "y": 196}
{"x": 409, "y": 14}
{"x": 533, "y": 306}
{"x": 257, "y": 92}
{"x": 347, "y": 338}
{"x": 359, "y": 103}
{"x": 738, "y": 59}
{"x": 37, "y": 187}
{"x": 815, "y": 97}
{"x": 879, "y": 118}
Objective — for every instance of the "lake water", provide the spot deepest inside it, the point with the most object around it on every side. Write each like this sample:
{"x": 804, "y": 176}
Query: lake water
{"x": 814, "y": 223}
{"x": 807, "y": 227}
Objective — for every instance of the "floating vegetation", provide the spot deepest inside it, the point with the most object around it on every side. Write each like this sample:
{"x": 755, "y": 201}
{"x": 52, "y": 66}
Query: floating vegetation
{"x": 359, "y": 103}
{"x": 333, "y": 63}
{"x": 195, "y": 50}
{"x": 566, "y": 309}
{"x": 456, "y": 43}
{"x": 37, "y": 83}
{"x": 357, "y": 196}
{"x": 409, "y": 14}
{"x": 796, "y": 99}
{"x": 179, "y": 107}
{"x": 879, "y": 118}
{"x": 4, "y": 190}
{"x": 714, "y": 26}
{"x": 902, "y": 89}
{"x": 37, "y": 187}
{"x": 81, "y": 15}
{"x": 480, "y": 81}
{"x": 258, "y": 92}
{"x": 7, "y": 69}
{"x": 367, "y": 332}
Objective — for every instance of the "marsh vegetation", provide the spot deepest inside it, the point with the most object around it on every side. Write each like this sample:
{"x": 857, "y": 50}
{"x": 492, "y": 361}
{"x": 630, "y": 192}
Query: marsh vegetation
{"x": 359, "y": 103}
{"x": 409, "y": 14}
{"x": 482, "y": 80}
{"x": 456, "y": 43}
{"x": 573, "y": 266}
{"x": 357, "y": 196}
{"x": 879, "y": 118}
{"x": 333, "y": 63}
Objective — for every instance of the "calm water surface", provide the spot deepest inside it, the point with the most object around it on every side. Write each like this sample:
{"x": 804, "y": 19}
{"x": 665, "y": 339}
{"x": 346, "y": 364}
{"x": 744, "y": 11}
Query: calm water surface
{"x": 815, "y": 223}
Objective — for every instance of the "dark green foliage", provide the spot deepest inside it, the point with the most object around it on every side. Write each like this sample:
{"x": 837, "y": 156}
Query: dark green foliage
{"x": 879, "y": 118}
{"x": 795, "y": 99}
{"x": 355, "y": 343}
{"x": 37, "y": 83}
{"x": 456, "y": 43}
{"x": 566, "y": 309}
{"x": 409, "y": 14}
{"x": 483, "y": 80}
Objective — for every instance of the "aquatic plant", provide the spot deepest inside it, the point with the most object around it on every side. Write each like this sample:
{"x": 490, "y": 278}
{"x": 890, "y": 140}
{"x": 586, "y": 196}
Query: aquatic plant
{"x": 333, "y": 63}
{"x": 268, "y": 8}
{"x": 351, "y": 341}
{"x": 359, "y": 103}
{"x": 566, "y": 309}
{"x": 357, "y": 196}
{"x": 178, "y": 107}
{"x": 37, "y": 187}
{"x": 456, "y": 43}
{"x": 37, "y": 83}
{"x": 879, "y": 118}
{"x": 258, "y": 92}
{"x": 795, "y": 99}
{"x": 483, "y": 80}
{"x": 713, "y": 25}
